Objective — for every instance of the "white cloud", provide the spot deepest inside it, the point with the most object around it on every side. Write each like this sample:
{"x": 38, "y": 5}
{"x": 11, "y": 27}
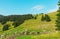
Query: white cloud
{"x": 53, "y": 10}
{"x": 37, "y": 8}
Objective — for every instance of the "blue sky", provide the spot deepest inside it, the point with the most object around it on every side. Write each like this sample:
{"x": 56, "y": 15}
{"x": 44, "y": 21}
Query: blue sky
{"x": 11, "y": 7}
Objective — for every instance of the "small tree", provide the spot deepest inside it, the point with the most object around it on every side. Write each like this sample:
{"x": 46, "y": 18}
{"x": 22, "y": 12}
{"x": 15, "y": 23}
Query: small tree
{"x": 17, "y": 23}
{"x": 42, "y": 18}
{"x": 5, "y": 27}
{"x": 36, "y": 16}
{"x": 47, "y": 18}
{"x": 58, "y": 17}
{"x": 10, "y": 23}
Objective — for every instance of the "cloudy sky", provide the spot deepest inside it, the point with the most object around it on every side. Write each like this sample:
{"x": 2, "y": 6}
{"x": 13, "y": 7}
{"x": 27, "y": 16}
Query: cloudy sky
{"x": 9, "y": 7}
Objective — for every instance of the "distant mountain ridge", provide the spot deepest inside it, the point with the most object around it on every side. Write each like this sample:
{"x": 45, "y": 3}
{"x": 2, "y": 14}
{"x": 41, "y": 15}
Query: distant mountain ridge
{"x": 1, "y": 16}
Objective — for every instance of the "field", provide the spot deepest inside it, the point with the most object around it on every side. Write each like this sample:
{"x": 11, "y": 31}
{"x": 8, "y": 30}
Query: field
{"x": 35, "y": 25}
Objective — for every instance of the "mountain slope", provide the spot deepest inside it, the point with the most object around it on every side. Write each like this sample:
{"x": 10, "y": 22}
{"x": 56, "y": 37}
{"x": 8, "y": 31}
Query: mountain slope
{"x": 34, "y": 25}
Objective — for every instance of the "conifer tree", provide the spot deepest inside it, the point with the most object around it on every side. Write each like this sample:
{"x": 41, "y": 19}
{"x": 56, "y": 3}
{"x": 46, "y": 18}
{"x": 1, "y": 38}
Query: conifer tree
{"x": 42, "y": 18}
{"x": 47, "y": 18}
{"x": 58, "y": 17}
{"x": 36, "y": 16}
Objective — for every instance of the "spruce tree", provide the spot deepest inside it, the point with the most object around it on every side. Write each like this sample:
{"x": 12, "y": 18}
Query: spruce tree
{"x": 42, "y": 18}
{"x": 47, "y": 18}
{"x": 35, "y": 17}
{"x": 58, "y": 17}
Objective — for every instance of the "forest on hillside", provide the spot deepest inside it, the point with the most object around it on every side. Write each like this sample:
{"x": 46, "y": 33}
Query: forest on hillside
{"x": 31, "y": 26}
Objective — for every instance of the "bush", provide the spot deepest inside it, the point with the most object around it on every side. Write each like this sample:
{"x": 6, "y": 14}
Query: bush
{"x": 5, "y": 27}
{"x": 47, "y": 18}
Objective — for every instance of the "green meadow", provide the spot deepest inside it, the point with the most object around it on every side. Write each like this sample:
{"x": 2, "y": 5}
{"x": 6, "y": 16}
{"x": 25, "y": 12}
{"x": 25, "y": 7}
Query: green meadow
{"x": 34, "y": 25}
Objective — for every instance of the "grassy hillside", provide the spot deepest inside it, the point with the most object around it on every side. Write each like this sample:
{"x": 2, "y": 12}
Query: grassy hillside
{"x": 38, "y": 25}
{"x": 35, "y": 25}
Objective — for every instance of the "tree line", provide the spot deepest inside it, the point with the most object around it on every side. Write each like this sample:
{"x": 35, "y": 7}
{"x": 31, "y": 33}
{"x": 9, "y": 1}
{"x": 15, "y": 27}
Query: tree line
{"x": 19, "y": 19}
{"x": 45, "y": 17}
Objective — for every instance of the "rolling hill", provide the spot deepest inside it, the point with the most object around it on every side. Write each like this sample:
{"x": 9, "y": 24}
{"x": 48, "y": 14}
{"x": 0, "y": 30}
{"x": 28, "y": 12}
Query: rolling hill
{"x": 34, "y": 25}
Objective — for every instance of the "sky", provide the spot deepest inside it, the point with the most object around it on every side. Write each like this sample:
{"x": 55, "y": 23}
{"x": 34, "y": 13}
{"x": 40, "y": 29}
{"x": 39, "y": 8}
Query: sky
{"x": 18, "y": 7}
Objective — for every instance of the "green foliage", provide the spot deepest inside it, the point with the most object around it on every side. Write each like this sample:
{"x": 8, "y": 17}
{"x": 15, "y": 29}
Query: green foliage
{"x": 10, "y": 23}
{"x": 5, "y": 27}
{"x": 59, "y": 3}
{"x": 33, "y": 25}
{"x": 47, "y": 18}
{"x": 17, "y": 19}
{"x": 42, "y": 18}
{"x": 35, "y": 17}
{"x": 58, "y": 18}
{"x": 17, "y": 23}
